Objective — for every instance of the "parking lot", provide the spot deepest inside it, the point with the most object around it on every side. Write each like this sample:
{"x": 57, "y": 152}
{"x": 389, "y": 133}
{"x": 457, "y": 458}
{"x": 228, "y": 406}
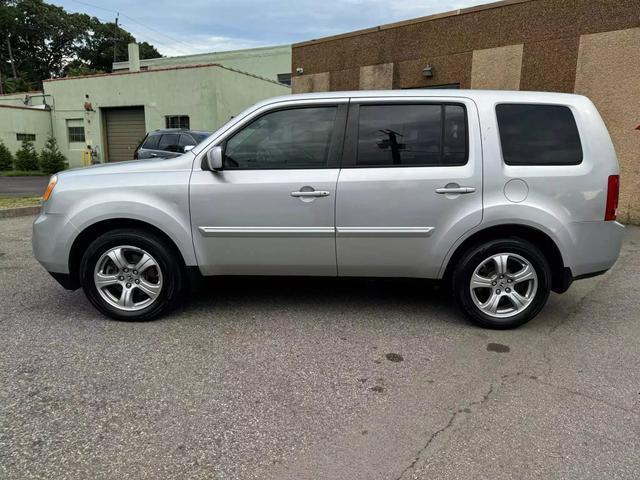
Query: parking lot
{"x": 316, "y": 378}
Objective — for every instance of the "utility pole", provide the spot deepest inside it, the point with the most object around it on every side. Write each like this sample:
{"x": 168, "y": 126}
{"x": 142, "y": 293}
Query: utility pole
{"x": 115, "y": 39}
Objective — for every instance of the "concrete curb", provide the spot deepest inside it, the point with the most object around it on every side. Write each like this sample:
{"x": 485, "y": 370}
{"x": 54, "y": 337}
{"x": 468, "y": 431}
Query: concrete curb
{"x": 19, "y": 212}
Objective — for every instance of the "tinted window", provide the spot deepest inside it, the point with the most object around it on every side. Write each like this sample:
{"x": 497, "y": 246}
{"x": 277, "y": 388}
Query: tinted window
{"x": 186, "y": 140}
{"x": 151, "y": 142}
{"x": 412, "y": 135}
{"x": 538, "y": 135}
{"x": 297, "y": 138}
{"x": 200, "y": 136}
{"x": 169, "y": 142}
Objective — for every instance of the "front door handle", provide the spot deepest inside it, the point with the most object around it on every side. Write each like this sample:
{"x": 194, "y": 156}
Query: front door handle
{"x": 455, "y": 190}
{"x": 311, "y": 193}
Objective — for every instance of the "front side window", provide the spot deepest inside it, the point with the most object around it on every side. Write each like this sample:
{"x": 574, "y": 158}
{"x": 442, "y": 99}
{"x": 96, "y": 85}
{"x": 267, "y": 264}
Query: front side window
{"x": 169, "y": 142}
{"x": 538, "y": 135}
{"x": 296, "y": 138}
{"x": 185, "y": 141}
{"x": 151, "y": 143}
{"x": 412, "y": 135}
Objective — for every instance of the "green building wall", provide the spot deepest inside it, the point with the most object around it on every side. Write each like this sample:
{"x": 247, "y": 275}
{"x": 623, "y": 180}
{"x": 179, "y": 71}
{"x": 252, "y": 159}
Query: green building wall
{"x": 20, "y": 119}
{"x": 209, "y": 95}
{"x": 265, "y": 62}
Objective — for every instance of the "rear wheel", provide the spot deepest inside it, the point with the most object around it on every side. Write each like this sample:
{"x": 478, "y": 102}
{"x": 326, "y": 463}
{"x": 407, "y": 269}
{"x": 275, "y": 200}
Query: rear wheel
{"x": 131, "y": 275}
{"x": 502, "y": 283}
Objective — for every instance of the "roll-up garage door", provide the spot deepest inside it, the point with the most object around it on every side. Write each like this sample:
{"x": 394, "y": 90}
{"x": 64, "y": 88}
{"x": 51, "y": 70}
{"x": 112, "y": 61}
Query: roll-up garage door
{"x": 125, "y": 130}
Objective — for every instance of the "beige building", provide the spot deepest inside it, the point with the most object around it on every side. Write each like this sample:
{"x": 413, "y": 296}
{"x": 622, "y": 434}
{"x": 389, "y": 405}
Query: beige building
{"x": 591, "y": 47}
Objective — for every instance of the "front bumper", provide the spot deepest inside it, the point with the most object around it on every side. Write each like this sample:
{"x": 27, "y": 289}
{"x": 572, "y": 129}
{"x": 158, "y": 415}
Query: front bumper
{"x": 53, "y": 236}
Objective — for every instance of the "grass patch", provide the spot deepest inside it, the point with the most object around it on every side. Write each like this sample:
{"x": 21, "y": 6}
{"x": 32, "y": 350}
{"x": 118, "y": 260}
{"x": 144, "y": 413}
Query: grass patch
{"x": 16, "y": 202}
{"x": 21, "y": 173}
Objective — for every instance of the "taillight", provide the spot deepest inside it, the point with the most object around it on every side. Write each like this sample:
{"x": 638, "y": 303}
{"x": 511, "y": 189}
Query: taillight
{"x": 613, "y": 189}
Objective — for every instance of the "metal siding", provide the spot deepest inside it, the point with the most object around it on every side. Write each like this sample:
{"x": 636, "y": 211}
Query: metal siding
{"x": 125, "y": 129}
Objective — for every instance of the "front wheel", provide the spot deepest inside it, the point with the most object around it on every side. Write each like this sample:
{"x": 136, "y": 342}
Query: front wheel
{"x": 131, "y": 274}
{"x": 502, "y": 284}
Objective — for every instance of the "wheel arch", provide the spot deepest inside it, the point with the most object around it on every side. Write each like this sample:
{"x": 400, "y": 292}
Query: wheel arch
{"x": 560, "y": 274}
{"x": 93, "y": 231}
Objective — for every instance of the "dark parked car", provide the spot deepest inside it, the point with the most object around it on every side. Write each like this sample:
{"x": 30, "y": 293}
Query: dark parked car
{"x": 168, "y": 143}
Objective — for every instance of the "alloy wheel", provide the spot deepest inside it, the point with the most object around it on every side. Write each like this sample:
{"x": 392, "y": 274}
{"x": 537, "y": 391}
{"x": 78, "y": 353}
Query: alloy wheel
{"x": 128, "y": 278}
{"x": 503, "y": 285}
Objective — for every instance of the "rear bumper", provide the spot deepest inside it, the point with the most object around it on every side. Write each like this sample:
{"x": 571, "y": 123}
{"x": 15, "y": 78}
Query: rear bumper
{"x": 594, "y": 249}
{"x": 562, "y": 284}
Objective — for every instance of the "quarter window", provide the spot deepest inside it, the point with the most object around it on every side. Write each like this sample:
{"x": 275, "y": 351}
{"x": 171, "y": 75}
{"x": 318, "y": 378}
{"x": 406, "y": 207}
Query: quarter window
{"x": 412, "y": 135}
{"x": 296, "y": 138}
{"x": 538, "y": 135}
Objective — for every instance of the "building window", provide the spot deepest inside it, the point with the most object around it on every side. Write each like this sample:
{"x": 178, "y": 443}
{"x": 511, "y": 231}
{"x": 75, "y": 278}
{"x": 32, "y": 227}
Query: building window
{"x": 177, "y": 121}
{"x": 284, "y": 78}
{"x": 30, "y": 137}
{"x": 75, "y": 130}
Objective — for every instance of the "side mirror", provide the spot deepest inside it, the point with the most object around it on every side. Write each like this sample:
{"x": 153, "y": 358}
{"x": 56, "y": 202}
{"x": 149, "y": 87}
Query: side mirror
{"x": 213, "y": 159}
{"x": 187, "y": 148}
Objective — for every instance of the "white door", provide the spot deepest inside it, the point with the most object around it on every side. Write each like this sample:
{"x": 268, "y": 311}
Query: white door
{"x": 271, "y": 210}
{"x": 410, "y": 185}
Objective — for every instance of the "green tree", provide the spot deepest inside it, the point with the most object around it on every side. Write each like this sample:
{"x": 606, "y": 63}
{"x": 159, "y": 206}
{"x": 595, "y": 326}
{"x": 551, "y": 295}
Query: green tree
{"x": 51, "y": 158}
{"x": 97, "y": 50}
{"x": 26, "y": 158}
{"x": 6, "y": 158}
{"x": 38, "y": 41}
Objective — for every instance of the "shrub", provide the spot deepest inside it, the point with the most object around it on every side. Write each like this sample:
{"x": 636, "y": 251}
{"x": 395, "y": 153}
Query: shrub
{"x": 51, "y": 158}
{"x": 6, "y": 158}
{"x": 26, "y": 157}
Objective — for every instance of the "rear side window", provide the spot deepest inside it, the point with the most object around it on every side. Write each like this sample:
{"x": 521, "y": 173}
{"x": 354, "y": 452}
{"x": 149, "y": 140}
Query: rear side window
{"x": 151, "y": 142}
{"x": 538, "y": 135}
{"x": 412, "y": 135}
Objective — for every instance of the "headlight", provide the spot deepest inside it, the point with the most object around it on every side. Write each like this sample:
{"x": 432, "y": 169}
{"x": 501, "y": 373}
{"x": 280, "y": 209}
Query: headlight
{"x": 52, "y": 183}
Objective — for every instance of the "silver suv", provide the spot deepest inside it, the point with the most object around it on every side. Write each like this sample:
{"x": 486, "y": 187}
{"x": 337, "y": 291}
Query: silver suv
{"x": 504, "y": 196}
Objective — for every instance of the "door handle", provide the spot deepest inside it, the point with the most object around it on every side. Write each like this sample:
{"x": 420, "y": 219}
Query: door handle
{"x": 312, "y": 193}
{"x": 455, "y": 190}
{"x": 153, "y": 155}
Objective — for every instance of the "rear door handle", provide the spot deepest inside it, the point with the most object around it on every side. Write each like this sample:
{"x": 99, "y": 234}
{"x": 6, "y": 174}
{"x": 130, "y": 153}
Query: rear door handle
{"x": 312, "y": 193}
{"x": 456, "y": 190}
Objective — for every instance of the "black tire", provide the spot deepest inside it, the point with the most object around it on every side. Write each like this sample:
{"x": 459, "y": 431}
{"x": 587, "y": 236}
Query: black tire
{"x": 477, "y": 254}
{"x": 166, "y": 256}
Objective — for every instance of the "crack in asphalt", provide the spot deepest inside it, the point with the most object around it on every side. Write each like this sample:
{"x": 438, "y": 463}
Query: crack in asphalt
{"x": 585, "y": 395}
{"x": 448, "y": 425}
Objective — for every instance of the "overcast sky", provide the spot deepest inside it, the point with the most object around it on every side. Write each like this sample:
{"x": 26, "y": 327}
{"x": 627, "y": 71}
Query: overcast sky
{"x": 197, "y": 26}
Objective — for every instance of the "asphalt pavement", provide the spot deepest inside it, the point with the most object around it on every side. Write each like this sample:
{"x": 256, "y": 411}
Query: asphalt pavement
{"x": 316, "y": 379}
{"x": 22, "y": 186}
